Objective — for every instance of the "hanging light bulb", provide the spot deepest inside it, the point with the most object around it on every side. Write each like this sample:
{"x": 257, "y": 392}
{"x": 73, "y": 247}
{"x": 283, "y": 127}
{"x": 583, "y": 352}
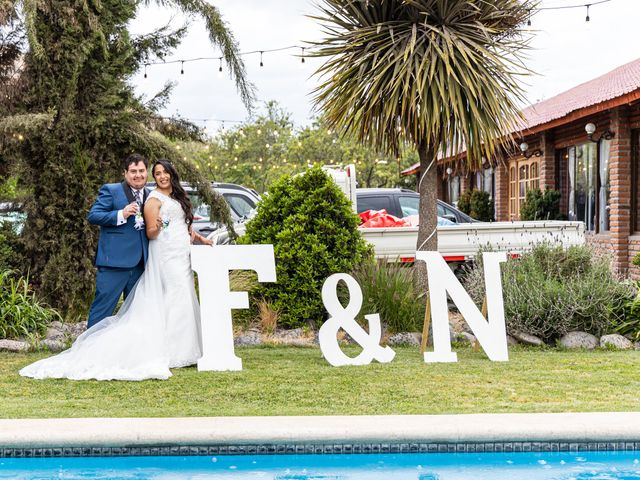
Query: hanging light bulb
{"x": 145, "y": 70}
{"x": 587, "y": 19}
{"x": 220, "y": 68}
{"x": 261, "y": 64}
{"x": 182, "y": 68}
{"x": 302, "y": 59}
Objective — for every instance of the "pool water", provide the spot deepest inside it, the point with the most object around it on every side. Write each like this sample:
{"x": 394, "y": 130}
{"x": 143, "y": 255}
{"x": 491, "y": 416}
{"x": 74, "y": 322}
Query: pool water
{"x": 434, "y": 466}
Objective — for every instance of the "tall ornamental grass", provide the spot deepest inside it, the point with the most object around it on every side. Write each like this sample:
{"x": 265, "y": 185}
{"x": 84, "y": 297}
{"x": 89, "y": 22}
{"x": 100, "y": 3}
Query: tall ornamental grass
{"x": 21, "y": 314}
{"x": 389, "y": 289}
{"x": 551, "y": 291}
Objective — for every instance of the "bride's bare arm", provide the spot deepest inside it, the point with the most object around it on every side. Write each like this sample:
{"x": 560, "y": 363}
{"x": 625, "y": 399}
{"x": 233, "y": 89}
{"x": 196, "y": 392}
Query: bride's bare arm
{"x": 152, "y": 218}
{"x": 196, "y": 237}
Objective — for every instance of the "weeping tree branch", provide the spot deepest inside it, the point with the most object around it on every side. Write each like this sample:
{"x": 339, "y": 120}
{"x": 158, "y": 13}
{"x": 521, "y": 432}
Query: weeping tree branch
{"x": 219, "y": 35}
{"x": 154, "y": 145}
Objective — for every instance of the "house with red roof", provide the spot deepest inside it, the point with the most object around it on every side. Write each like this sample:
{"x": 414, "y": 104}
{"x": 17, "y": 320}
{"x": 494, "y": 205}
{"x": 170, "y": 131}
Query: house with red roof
{"x": 585, "y": 143}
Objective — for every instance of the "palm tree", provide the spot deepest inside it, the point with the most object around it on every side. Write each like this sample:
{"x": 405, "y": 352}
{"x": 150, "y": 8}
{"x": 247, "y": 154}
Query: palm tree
{"x": 75, "y": 116}
{"x": 441, "y": 75}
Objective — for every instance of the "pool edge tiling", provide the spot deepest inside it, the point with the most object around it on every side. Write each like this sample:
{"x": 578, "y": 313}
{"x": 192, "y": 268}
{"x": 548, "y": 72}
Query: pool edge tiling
{"x": 328, "y": 434}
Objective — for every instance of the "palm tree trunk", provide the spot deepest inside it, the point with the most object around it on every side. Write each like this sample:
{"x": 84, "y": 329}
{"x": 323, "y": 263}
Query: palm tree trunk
{"x": 428, "y": 189}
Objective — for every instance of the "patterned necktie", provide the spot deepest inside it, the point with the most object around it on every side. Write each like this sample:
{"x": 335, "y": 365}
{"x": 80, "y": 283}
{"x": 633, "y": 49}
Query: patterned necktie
{"x": 138, "y": 197}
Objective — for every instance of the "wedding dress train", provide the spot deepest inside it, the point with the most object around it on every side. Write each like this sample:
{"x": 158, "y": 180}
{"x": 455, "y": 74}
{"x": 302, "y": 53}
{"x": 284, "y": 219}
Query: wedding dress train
{"x": 157, "y": 327}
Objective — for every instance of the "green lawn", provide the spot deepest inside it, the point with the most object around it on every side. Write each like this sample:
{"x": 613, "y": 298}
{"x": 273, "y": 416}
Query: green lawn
{"x": 298, "y": 381}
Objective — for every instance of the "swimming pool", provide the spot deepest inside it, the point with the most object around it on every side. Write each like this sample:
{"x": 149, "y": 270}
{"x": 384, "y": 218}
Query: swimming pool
{"x": 622, "y": 465}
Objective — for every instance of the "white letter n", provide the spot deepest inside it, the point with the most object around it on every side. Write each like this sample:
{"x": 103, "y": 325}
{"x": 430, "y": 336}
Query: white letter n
{"x": 491, "y": 333}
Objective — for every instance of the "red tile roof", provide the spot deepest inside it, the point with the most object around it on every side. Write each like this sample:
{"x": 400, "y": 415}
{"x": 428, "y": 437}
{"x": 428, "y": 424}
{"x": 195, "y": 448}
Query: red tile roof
{"x": 610, "y": 86}
{"x": 616, "y": 83}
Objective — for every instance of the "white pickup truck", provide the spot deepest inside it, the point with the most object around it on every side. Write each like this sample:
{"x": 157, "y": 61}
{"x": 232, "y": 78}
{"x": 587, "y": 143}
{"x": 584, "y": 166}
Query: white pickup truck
{"x": 458, "y": 242}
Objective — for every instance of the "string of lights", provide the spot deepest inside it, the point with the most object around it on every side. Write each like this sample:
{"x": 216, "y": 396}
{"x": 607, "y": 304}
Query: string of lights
{"x": 301, "y": 55}
{"x": 182, "y": 61}
{"x": 566, "y": 7}
{"x": 302, "y": 49}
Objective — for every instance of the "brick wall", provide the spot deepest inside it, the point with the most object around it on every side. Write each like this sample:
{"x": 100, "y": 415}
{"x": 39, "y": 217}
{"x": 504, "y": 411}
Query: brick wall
{"x": 563, "y": 180}
{"x": 600, "y": 244}
{"x": 620, "y": 200}
{"x": 465, "y": 182}
{"x": 501, "y": 201}
{"x": 547, "y": 162}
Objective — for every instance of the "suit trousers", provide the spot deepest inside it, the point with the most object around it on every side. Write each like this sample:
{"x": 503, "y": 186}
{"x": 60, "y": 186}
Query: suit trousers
{"x": 110, "y": 284}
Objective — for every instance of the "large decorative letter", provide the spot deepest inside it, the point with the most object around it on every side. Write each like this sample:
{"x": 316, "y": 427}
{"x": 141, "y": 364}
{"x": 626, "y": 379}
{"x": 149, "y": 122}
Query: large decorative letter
{"x": 491, "y": 333}
{"x": 341, "y": 317}
{"x": 212, "y": 265}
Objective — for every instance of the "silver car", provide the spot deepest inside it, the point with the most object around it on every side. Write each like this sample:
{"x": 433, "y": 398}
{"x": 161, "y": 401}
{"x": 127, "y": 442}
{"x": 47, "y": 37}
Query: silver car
{"x": 242, "y": 203}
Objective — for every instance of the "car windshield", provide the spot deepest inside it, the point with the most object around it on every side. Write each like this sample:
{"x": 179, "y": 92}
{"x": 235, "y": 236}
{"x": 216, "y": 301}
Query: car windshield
{"x": 409, "y": 205}
{"x": 241, "y": 206}
{"x": 200, "y": 209}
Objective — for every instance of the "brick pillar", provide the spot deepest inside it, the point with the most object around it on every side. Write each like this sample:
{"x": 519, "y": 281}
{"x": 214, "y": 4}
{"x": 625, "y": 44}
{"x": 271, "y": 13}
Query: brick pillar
{"x": 465, "y": 182}
{"x": 501, "y": 200}
{"x": 620, "y": 175}
{"x": 547, "y": 162}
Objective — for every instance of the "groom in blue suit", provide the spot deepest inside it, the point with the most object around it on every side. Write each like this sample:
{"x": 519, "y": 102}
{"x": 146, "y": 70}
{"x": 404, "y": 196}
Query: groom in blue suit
{"x": 123, "y": 244}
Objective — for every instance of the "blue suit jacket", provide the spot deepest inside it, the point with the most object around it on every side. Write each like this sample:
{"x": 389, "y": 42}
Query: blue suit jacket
{"x": 118, "y": 246}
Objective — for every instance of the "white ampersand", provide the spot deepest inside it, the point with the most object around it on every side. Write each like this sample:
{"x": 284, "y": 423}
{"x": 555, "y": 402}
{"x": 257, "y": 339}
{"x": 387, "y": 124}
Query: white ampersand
{"x": 344, "y": 318}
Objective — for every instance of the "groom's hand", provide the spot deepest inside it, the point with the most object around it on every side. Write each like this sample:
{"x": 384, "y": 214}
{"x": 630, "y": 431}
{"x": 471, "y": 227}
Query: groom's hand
{"x": 130, "y": 209}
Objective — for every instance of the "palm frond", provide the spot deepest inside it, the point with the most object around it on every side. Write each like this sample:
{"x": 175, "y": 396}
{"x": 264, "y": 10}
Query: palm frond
{"x": 437, "y": 73}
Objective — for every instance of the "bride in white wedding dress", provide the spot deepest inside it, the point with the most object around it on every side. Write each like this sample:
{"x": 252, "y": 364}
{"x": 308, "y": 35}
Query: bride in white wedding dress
{"x": 158, "y": 326}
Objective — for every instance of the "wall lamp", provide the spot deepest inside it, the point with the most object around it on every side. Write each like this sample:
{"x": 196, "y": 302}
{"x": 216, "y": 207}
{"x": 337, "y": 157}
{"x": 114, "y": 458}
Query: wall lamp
{"x": 590, "y": 128}
{"x": 524, "y": 148}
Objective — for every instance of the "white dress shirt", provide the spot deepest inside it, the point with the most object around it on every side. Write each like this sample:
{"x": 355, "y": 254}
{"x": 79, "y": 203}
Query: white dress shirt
{"x": 121, "y": 220}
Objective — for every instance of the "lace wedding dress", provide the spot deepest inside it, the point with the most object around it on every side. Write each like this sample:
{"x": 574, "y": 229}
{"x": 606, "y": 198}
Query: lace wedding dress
{"x": 157, "y": 328}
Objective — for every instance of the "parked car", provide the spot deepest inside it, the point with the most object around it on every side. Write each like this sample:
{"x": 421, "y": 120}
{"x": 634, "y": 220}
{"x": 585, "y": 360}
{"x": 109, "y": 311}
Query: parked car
{"x": 242, "y": 202}
{"x": 402, "y": 202}
{"x": 13, "y": 214}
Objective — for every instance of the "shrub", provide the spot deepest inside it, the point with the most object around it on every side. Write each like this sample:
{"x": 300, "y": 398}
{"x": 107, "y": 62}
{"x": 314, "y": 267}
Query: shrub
{"x": 21, "y": 314}
{"x": 11, "y": 249}
{"x": 477, "y": 204}
{"x": 541, "y": 206}
{"x": 389, "y": 289}
{"x": 630, "y": 326}
{"x": 636, "y": 260}
{"x": 314, "y": 232}
{"x": 550, "y": 291}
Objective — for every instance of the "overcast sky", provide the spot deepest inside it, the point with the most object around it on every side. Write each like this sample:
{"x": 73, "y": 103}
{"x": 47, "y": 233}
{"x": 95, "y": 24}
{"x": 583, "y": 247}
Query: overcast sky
{"x": 567, "y": 51}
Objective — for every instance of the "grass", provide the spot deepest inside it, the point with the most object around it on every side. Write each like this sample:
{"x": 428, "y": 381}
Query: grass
{"x": 298, "y": 381}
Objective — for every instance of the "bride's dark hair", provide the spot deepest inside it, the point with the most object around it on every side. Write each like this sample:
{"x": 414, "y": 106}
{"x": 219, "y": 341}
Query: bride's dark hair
{"x": 177, "y": 192}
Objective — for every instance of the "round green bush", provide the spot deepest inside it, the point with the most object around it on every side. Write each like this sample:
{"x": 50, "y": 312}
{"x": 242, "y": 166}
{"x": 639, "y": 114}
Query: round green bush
{"x": 314, "y": 232}
{"x": 540, "y": 205}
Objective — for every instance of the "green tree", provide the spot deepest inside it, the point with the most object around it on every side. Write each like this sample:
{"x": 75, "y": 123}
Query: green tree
{"x": 76, "y": 118}
{"x": 256, "y": 152}
{"x": 440, "y": 75}
{"x": 259, "y": 151}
